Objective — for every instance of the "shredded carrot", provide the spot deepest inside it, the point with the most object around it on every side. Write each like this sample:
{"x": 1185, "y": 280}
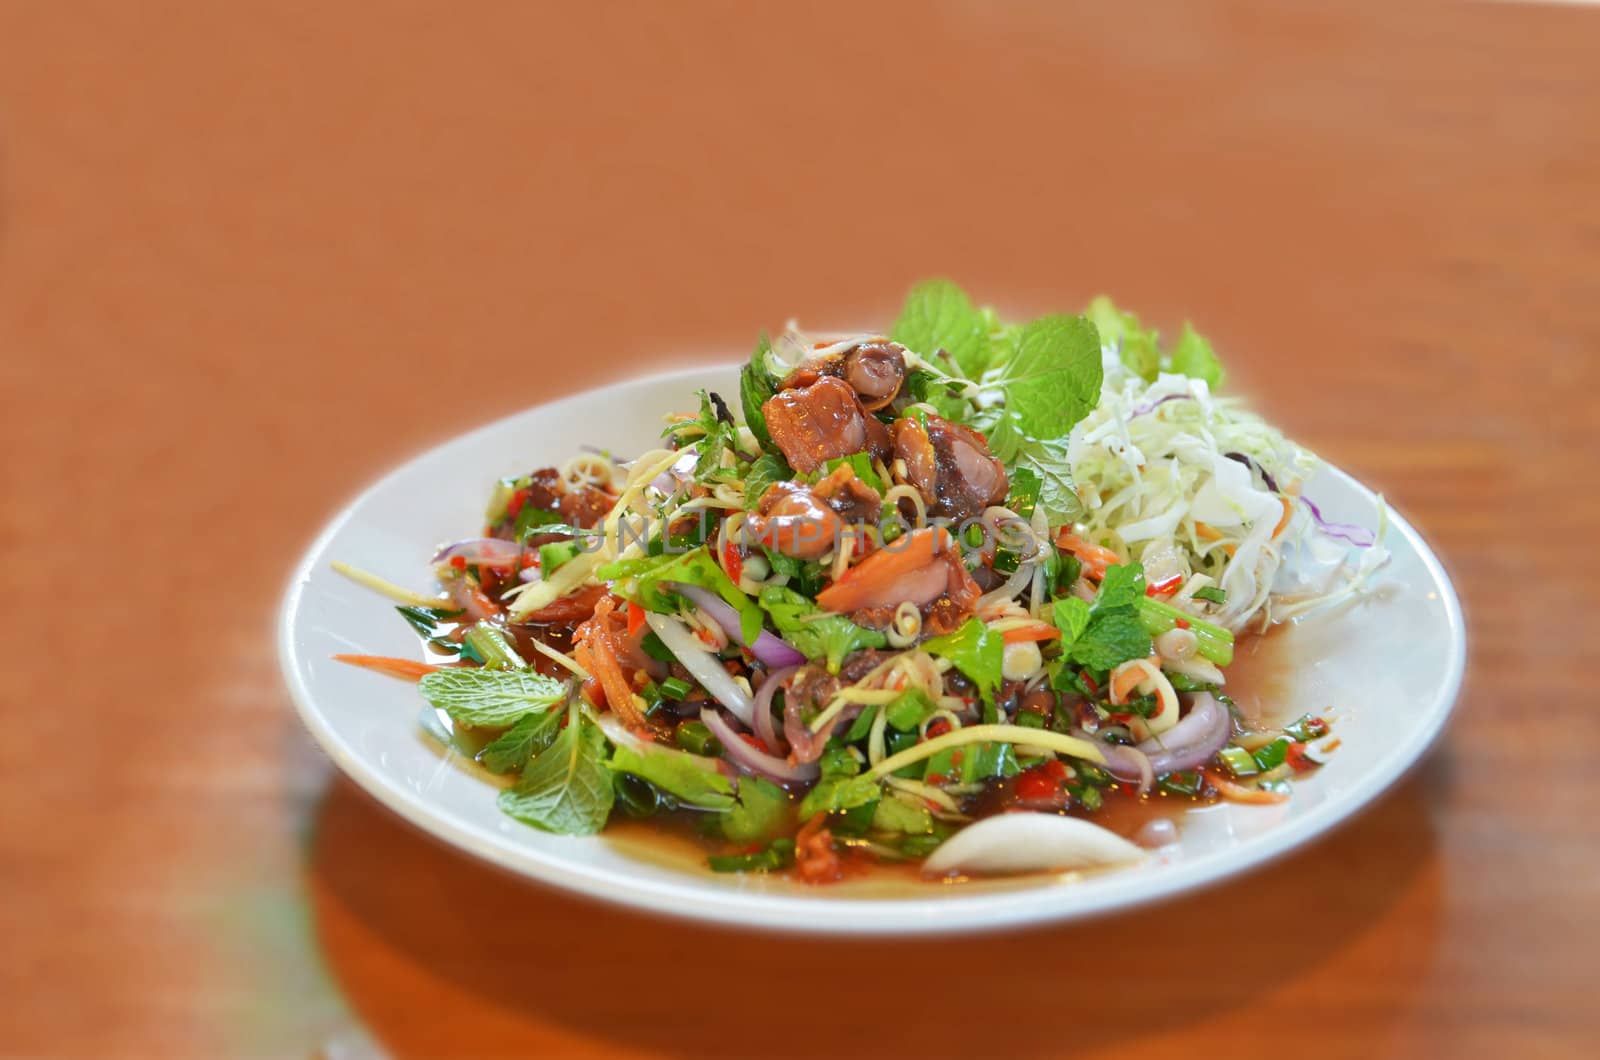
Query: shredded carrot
{"x": 1239, "y": 793}
{"x": 1095, "y": 558}
{"x": 405, "y": 669}
{"x": 1207, "y": 531}
{"x": 1024, "y": 634}
{"x": 814, "y": 856}
{"x": 1125, "y": 681}
{"x": 1288, "y": 512}
{"x": 594, "y": 652}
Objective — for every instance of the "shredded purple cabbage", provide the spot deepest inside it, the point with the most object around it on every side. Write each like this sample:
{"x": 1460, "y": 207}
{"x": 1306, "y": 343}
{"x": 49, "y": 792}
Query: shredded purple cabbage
{"x": 1358, "y": 536}
{"x": 1151, "y": 406}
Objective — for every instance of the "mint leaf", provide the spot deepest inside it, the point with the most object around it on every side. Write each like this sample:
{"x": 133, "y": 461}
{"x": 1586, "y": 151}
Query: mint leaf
{"x": 1122, "y": 586}
{"x": 925, "y": 386}
{"x": 511, "y": 750}
{"x": 1071, "y": 617}
{"x": 766, "y": 470}
{"x": 1052, "y": 375}
{"x": 490, "y": 699}
{"x": 1193, "y": 357}
{"x": 833, "y": 637}
{"x": 939, "y": 316}
{"x": 567, "y": 789}
{"x": 1111, "y": 639}
{"x": 694, "y": 782}
{"x": 1112, "y": 632}
{"x": 1139, "y": 349}
{"x": 759, "y": 813}
{"x": 1057, "y": 495}
{"x": 755, "y": 387}
{"x": 976, "y": 650}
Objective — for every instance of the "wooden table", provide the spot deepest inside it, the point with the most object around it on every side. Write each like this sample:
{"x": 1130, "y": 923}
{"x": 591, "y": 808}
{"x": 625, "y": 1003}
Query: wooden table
{"x": 251, "y": 258}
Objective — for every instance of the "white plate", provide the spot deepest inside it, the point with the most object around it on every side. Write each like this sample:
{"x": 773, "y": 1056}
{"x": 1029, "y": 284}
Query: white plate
{"x": 1390, "y": 666}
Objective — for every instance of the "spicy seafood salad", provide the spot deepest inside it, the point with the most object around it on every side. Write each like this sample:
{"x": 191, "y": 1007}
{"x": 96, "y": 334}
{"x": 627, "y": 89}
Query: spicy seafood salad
{"x": 942, "y": 595}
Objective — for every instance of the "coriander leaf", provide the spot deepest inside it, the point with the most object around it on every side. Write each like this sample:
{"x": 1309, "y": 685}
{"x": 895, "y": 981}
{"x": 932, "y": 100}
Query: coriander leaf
{"x": 1193, "y": 357}
{"x": 759, "y": 813}
{"x": 838, "y": 794}
{"x": 939, "y": 316}
{"x": 511, "y": 750}
{"x": 490, "y": 698}
{"x": 567, "y": 789}
{"x": 646, "y": 579}
{"x": 1212, "y": 593}
{"x": 894, "y": 814}
{"x": 755, "y": 387}
{"x": 1111, "y": 639}
{"x": 976, "y": 650}
{"x": 695, "y": 782}
{"x": 1052, "y": 375}
{"x": 1139, "y": 349}
{"x": 832, "y": 636}
{"x": 1071, "y": 616}
{"x": 910, "y": 709}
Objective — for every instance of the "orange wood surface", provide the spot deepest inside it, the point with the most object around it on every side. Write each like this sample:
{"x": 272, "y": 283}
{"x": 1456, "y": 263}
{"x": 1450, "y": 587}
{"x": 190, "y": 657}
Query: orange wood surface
{"x": 252, "y": 255}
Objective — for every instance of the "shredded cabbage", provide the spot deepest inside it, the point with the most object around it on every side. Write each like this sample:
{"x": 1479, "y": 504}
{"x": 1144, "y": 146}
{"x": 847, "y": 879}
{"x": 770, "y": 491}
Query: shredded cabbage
{"x": 1152, "y": 469}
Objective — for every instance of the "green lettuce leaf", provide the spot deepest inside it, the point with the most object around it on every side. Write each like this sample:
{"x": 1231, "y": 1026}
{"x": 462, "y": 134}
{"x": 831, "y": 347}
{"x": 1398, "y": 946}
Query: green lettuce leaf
{"x": 758, "y": 814}
{"x": 1194, "y": 357}
{"x": 677, "y": 773}
{"x": 1140, "y": 349}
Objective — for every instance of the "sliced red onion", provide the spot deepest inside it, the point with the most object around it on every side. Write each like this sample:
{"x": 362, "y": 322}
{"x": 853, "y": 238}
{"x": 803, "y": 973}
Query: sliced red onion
{"x": 1358, "y": 536}
{"x": 489, "y": 551}
{"x": 681, "y": 471}
{"x": 754, "y": 760}
{"x": 1150, "y": 406}
{"x": 702, "y": 665}
{"x": 1247, "y": 461}
{"x": 530, "y": 574}
{"x": 763, "y": 720}
{"x": 1124, "y": 762}
{"x": 769, "y": 648}
{"x": 805, "y": 745}
{"x": 1198, "y": 735}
